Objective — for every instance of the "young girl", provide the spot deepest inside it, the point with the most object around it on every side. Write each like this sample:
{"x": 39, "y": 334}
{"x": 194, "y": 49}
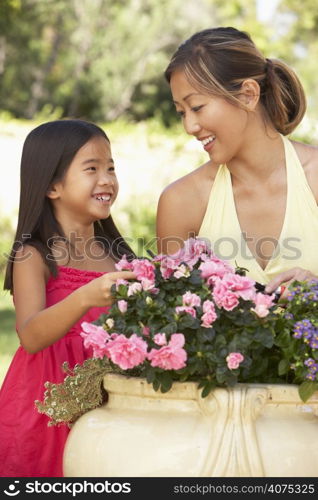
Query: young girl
{"x": 60, "y": 272}
{"x": 256, "y": 197}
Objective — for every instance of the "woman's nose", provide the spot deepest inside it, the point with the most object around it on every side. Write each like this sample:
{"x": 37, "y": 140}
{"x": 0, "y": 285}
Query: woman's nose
{"x": 191, "y": 125}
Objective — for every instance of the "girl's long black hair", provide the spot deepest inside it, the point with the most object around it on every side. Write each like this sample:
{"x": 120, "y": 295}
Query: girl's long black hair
{"x": 47, "y": 153}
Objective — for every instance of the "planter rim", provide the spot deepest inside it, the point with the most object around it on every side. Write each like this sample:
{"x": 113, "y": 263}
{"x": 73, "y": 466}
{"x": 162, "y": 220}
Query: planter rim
{"x": 137, "y": 386}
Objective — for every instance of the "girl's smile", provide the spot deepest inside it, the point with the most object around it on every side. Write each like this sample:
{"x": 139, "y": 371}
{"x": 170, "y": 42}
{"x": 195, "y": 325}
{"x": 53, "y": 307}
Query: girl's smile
{"x": 91, "y": 176}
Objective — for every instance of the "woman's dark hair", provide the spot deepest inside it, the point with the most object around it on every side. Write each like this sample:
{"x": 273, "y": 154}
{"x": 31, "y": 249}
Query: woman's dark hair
{"x": 47, "y": 153}
{"x": 216, "y": 61}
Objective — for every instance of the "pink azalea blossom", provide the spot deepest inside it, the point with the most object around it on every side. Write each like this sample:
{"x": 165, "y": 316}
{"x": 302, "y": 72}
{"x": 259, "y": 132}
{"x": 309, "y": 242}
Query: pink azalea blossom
{"x": 171, "y": 356}
{"x": 234, "y": 359}
{"x": 122, "y": 305}
{"x": 160, "y": 339}
{"x": 186, "y": 309}
{"x": 182, "y": 272}
{"x": 124, "y": 265}
{"x": 134, "y": 288}
{"x": 209, "y": 315}
{"x": 146, "y": 331}
{"x": 127, "y": 352}
{"x": 191, "y": 299}
{"x": 147, "y": 284}
{"x": 241, "y": 285}
{"x": 224, "y": 297}
{"x": 213, "y": 269}
{"x": 168, "y": 265}
{"x": 144, "y": 270}
{"x": 262, "y": 304}
{"x": 95, "y": 337}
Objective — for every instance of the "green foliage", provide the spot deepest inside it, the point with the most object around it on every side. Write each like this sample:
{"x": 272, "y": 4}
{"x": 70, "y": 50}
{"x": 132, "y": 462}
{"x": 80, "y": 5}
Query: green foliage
{"x": 213, "y": 343}
{"x": 101, "y": 59}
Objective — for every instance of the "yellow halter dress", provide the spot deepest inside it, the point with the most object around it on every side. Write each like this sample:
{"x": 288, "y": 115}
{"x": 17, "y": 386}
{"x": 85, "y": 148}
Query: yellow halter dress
{"x": 297, "y": 245}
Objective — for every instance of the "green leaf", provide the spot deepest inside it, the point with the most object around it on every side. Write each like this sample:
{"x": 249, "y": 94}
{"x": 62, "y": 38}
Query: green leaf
{"x": 306, "y": 389}
{"x": 283, "y": 367}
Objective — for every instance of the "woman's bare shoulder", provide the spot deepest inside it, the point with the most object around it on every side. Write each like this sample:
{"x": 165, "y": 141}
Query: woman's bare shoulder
{"x": 182, "y": 204}
{"x": 308, "y": 155}
{"x": 194, "y": 181}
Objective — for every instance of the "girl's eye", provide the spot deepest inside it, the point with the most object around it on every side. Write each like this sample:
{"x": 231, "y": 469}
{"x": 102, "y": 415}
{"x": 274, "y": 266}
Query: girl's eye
{"x": 180, "y": 113}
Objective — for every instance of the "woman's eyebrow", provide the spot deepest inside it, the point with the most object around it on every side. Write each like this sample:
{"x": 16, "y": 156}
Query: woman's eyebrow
{"x": 187, "y": 97}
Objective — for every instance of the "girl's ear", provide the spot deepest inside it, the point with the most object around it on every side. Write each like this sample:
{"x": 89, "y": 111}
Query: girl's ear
{"x": 53, "y": 192}
{"x": 250, "y": 93}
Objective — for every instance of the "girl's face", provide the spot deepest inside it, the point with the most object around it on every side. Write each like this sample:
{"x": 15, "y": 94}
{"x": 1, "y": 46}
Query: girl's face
{"x": 90, "y": 186}
{"x": 217, "y": 124}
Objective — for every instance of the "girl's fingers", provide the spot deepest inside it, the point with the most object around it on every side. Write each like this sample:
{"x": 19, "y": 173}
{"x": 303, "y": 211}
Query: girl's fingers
{"x": 125, "y": 275}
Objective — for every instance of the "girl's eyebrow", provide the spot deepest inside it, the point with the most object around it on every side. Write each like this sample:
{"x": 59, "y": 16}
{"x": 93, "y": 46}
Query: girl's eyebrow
{"x": 96, "y": 160}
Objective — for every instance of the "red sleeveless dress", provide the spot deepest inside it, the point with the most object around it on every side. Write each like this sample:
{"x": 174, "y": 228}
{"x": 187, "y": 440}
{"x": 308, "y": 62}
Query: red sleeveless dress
{"x": 28, "y": 447}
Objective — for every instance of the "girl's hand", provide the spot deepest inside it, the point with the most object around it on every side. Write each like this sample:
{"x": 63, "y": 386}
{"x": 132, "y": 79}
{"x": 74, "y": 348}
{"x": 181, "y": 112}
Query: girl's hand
{"x": 287, "y": 277}
{"x": 97, "y": 292}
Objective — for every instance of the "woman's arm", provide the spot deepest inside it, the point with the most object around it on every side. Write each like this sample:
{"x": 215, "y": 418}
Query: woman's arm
{"x": 181, "y": 209}
{"x": 38, "y": 326}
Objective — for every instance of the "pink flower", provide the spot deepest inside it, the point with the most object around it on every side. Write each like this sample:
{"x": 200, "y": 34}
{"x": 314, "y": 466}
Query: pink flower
{"x": 95, "y": 337}
{"x": 168, "y": 264}
{"x": 122, "y": 306}
{"x": 214, "y": 268}
{"x": 262, "y": 304}
{"x": 146, "y": 331}
{"x": 147, "y": 284}
{"x": 160, "y": 339}
{"x": 182, "y": 272}
{"x": 241, "y": 285}
{"x": 123, "y": 264}
{"x": 127, "y": 352}
{"x": 143, "y": 269}
{"x": 224, "y": 297}
{"x": 234, "y": 359}
{"x": 134, "y": 288}
{"x": 209, "y": 315}
{"x": 171, "y": 356}
{"x": 189, "y": 310}
{"x": 191, "y": 299}
{"x": 207, "y": 319}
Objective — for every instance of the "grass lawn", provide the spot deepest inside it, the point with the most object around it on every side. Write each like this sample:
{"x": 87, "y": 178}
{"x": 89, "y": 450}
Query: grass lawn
{"x": 8, "y": 337}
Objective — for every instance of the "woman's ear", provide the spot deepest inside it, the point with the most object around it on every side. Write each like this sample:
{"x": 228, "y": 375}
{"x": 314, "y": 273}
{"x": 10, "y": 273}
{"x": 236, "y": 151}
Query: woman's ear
{"x": 250, "y": 93}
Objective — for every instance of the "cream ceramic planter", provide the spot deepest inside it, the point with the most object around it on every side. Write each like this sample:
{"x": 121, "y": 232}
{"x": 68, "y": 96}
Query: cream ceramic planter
{"x": 252, "y": 430}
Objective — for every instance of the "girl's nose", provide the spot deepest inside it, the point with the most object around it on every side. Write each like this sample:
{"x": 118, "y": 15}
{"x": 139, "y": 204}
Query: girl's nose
{"x": 191, "y": 125}
{"x": 106, "y": 179}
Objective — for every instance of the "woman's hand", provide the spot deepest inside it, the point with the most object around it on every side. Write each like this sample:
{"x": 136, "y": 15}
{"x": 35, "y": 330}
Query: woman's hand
{"x": 97, "y": 293}
{"x": 287, "y": 277}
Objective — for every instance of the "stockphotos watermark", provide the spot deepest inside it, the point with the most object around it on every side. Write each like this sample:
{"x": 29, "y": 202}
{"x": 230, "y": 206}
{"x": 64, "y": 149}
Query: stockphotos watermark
{"x": 225, "y": 248}
{"x": 73, "y": 488}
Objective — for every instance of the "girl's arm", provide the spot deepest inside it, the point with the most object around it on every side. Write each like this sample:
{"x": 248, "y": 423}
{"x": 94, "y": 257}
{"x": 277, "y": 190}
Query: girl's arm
{"x": 39, "y": 327}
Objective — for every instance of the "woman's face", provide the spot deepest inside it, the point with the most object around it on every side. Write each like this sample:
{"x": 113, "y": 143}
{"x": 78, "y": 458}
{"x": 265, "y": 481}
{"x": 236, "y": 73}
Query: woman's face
{"x": 219, "y": 125}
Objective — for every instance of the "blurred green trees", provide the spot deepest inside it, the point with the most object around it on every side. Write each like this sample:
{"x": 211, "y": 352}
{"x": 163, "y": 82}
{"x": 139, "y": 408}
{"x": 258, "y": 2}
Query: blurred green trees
{"x": 101, "y": 59}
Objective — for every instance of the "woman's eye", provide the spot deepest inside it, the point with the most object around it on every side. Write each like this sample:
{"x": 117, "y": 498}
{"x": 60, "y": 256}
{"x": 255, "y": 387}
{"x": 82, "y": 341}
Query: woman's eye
{"x": 92, "y": 169}
{"x": 197, "y": 108}
{"x": 180, "y": 113}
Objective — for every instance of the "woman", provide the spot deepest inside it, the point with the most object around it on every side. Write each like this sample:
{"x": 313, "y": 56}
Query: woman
{"x": 256, "y": 197}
